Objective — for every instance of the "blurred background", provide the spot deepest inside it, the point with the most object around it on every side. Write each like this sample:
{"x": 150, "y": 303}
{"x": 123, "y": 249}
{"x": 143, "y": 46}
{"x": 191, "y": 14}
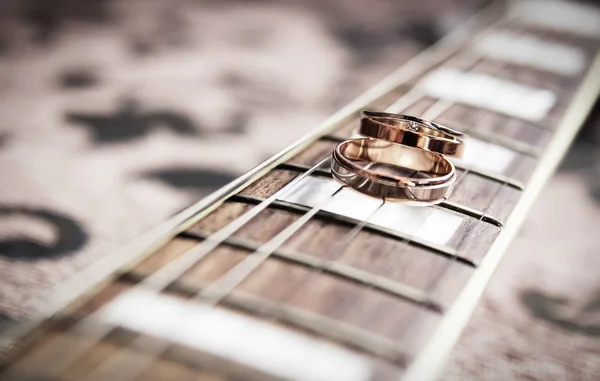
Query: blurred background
{"x": 116, "y": 114}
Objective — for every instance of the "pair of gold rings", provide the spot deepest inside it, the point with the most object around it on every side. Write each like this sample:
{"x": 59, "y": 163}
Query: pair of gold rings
{"x": 400, "y": 158}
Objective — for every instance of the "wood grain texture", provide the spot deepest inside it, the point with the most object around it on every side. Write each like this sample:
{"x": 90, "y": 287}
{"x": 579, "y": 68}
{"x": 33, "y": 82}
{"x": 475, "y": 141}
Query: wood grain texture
{"x": 368, "y": 251}
{"x": 379, "y": 295}
{"x": 471, "y": 190}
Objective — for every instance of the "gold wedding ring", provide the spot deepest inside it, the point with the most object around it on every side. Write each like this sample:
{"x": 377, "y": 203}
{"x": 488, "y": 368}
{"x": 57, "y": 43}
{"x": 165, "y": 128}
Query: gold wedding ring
{"x": 413, "y": 132}
{"x": 393, "y": 171}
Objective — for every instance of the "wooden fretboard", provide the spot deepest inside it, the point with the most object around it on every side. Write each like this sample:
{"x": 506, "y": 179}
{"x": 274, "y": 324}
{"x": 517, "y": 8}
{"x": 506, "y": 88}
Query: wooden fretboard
{"x": 284, "y": 275}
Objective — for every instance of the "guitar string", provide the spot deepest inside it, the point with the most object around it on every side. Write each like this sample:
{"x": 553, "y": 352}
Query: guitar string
{"x": 342, "y": 244}
{"x": 433, "y": 284}
{"x": 436, "y": 113}
{"x": 355, "y": 231}
{"x": 481, "y": 156}
{"x": 433, "y": 111}
{"x": 221, "y": 293}
{"x": 158, "y": 277}
{"x": 435, "y": 281}
{"x": 497, "y": 66}
{"x": 218, "y": 289}
{"x": 349, "y": 237}
{"x": 359, "y": 227}
{"x": 339, "y": 249}
{"x": 92, "y": 330}
{"x": 503, "y": 184}
{"x": 208, "y": 296}
{"x": 214, "y": 292}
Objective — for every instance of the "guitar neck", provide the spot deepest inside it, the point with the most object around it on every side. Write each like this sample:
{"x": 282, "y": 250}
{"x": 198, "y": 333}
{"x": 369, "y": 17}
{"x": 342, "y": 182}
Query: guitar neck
{"x": 284, "y": 275}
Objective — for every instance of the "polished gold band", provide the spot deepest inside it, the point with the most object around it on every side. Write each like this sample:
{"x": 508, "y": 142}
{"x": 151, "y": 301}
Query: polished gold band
{"x": 393, "y": 172}
{"x": 411, "y": 131}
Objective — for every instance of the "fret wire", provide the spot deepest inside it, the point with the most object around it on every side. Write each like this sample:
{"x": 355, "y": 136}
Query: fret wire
{"x": 219, "y": 293}
{"x": 433, "y": 111}
{"x": 340, "y": 247}
{"x": 174, "y": 269}
{"x": 443, "y": 271}
{"x": 435, "y": 248}
{"x": 224, "y": 285}
{"x": 474, "y": 170}
{"x": 162, "y": 282}
{"x": 349, "y": 236}
{"x": 355, "y": 337}
{"x": 93, "y": 330}
{"x": 380, "y": 283}
{"x": 463, "y": 209}
{"x": 451, "y": 260}
{"x": 213, "y": 293}
{"x": 436, "y": 280}
{"x": 490, "y": 202}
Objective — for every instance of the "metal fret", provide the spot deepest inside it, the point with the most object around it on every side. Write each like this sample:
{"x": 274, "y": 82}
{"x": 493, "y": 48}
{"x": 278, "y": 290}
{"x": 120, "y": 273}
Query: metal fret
{"x": 493, "y": 176}
{"x": 302, "y": 168}
{"x": 346, "y": 272}
{"x": 471, "y": 212}
{"x": 363, "y": 340}
{"x": 455, "y": 320}
{"x": 345, "y": 333}
{"x": 476, "y": 171}
{"x": 218, "y": 289}
{"x": 436, "y": 249}
{"x": 444, "y": 204}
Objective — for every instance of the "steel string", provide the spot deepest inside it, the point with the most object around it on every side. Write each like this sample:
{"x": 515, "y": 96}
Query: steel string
{"x": 92, "y": 330}
{"x": 217, "y": 290}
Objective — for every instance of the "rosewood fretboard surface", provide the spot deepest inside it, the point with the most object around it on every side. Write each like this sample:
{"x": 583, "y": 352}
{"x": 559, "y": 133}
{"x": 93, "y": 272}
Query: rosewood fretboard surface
{"x": 366, "y": 295}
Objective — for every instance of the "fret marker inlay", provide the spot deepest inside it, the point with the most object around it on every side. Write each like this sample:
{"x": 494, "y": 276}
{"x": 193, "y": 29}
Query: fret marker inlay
{"x": 534, "y": 52}
{"x": 282, "y": 353}
{"x": 429, "y": 224}
{"x": 486, "y": 156}
{"x": 560, "y": 15}
{"x": 489, "y": 93}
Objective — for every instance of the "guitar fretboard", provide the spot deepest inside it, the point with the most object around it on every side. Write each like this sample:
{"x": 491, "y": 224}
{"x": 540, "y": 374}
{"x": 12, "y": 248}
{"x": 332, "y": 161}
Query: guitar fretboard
{"x": 285, "y": 274}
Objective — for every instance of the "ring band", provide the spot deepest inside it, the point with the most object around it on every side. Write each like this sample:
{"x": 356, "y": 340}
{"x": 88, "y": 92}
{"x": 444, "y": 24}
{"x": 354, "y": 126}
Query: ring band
{"x": 378, "y": 168}
{"x": 413, "y": 132}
